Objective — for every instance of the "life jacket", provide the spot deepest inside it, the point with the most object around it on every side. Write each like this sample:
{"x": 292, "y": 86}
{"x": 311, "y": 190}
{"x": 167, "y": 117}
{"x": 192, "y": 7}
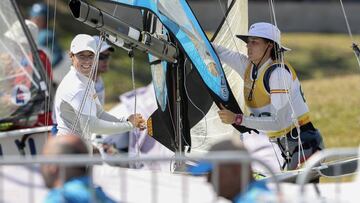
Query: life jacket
{"x": 260, "y": 103}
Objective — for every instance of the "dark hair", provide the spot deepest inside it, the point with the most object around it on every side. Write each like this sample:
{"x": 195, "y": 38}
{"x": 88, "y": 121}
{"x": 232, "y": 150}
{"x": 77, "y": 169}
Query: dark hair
{"x": 275, "y": 50}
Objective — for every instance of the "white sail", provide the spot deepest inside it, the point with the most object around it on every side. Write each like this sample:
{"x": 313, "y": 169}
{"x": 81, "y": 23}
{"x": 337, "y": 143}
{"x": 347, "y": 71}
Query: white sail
{"x": 21, "y": 81}
{"x": 210, "y": 129}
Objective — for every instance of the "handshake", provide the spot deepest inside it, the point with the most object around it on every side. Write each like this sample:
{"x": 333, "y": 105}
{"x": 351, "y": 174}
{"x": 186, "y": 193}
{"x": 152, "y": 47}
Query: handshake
{"x": 137, "y": 121}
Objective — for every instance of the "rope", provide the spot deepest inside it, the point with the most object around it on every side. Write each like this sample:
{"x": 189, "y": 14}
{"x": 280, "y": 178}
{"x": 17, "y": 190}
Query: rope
{"x": 135, "y": 130}
{"x": 202, "y": 112}
{"x": 49, "y": 79}
{"x": 228, "y": 24}
{"x": 354, "y": 46}
{"x": 280, "y": 55}
{"x": 89, "y": 84}
{"x": 237, "y": 48}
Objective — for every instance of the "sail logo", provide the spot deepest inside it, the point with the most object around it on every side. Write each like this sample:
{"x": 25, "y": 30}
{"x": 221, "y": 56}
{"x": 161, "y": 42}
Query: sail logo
{"x": 224, "y": 89}
{"x": 20, "y": 95}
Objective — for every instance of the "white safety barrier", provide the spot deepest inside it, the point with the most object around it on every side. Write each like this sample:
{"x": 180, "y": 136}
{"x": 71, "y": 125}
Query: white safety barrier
{"x": 21, "y": 181}
{"x": 345, "y": 164}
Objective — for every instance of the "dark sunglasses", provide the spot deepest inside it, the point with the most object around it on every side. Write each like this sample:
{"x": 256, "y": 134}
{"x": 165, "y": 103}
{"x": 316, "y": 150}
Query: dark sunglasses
{"x": 104, "y": 56}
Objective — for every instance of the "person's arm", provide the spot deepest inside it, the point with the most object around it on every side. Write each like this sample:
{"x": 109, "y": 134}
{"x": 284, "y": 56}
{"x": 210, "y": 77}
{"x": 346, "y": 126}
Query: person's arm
{"x": 235, "y": 60}
{"x": 281, "y": 111}
{"x": 91, "y": 122}
{"x": 108, "y": 117}
{"x": 135, "y": 119}
{"x": 100, "y": 126}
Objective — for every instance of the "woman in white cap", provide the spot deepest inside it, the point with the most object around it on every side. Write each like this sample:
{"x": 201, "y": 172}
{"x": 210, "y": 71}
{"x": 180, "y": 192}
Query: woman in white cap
{"x": 77, "y": 107}
{"x": 272, "y": 94}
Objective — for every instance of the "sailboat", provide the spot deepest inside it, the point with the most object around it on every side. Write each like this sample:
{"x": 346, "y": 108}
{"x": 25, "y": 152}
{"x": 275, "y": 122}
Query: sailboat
{"x": 189, "y": 79}
{"x": 25, "y": 94}
{"x": 182, "y": 110}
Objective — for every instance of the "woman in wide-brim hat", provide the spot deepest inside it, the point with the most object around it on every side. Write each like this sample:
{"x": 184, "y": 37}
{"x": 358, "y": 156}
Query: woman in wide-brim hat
{"x": 273, "y": 97}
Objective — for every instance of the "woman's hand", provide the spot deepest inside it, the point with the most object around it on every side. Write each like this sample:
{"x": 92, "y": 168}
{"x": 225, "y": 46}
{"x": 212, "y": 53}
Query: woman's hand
{"x": 226, "y": 116}
{"x": 138, "y": 121}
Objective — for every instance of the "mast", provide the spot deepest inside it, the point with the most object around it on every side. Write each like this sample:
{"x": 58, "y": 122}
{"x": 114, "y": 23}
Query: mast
{"x": 176, "y": 74}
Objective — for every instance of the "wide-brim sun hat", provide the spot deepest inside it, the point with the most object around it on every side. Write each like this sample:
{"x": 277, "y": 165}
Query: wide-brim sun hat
{"x": 264, "y": 30}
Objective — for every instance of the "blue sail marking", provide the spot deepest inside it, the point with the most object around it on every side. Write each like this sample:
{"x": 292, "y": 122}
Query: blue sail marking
{"x": 193, "y": 40}
{"x": 158, "y": 72}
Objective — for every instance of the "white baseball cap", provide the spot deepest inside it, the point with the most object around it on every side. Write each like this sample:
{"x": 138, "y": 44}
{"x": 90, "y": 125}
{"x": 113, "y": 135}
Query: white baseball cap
{"x": 82, "y": 42}
{"x": 16, "y": 33}
{"x": 264, "y": 30}
{"x": 104, "y": 46}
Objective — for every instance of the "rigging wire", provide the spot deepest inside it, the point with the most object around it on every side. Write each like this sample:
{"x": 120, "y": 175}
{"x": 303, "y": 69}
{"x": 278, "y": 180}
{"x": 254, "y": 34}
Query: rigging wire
{"x": 280, "y": 55}
{"x": 202, "y": 112}
{"x": 49, "y": 80}
{"x": 171, "y": 114}
{"x": 89, "y": 84}
{"x": 135, "y": 130}
{"x": 273, "y": 19}
{"x": 237, "y": 49}
{"x": 228, "y": 25}
{"x": 354, "y": 46}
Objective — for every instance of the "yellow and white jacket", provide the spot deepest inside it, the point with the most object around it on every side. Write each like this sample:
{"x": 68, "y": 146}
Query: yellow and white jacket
{"x": 273, "y": 110}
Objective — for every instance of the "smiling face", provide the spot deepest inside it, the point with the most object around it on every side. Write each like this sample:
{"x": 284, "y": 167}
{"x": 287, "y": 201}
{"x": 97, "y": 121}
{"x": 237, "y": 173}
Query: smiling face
{"x": 83, "y": 61}
{"x": 258, "y": 49}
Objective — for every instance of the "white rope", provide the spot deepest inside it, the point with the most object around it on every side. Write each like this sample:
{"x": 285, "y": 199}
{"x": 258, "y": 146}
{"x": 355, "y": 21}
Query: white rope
{"x": 202, "y": 112}
{"x": 49, "y": 81}
{"x": 89, "y": 84}
{"x": 354, "y": 45}
{"x": 238, "y": 50}
{"x": 346, "y": 21}
{"x": 228, "y": 24}
{"x": 280, "y": 55}
{"x": 135, "y": 130}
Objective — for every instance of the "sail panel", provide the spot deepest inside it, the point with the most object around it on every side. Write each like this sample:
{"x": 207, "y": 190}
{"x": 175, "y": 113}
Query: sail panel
{"x": 158, "y": 67}
{"x": 210, "y": 129}
{"x": 20, "y": 92}
{"x": 183, "y": 24}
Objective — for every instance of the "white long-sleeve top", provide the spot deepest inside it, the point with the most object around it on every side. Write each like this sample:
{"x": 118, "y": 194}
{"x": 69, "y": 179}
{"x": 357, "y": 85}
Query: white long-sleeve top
{"x": 93, "y": 119}
{"x": 275, "y": 111}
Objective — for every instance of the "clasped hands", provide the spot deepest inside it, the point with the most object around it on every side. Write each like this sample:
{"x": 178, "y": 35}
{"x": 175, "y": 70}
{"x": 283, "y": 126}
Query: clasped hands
{"x": 138, "y": 121}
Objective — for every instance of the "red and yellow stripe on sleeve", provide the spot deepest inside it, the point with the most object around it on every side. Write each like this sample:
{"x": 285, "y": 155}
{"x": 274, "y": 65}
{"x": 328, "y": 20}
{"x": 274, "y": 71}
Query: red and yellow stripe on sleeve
{"x": 276, "y": 91}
